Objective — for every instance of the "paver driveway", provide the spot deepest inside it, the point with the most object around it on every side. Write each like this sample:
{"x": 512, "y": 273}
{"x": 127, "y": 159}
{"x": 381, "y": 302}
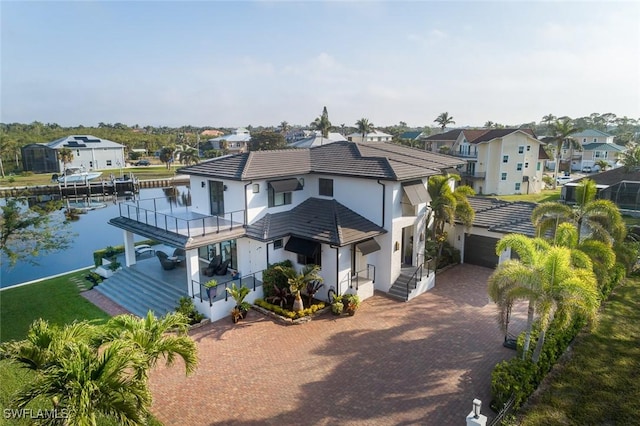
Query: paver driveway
{"x": 420, "y": 362}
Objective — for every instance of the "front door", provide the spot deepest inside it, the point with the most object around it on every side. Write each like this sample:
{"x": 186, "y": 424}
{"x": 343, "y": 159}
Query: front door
{"x": 216, "y": 197}
{"x": 407, "y": 246}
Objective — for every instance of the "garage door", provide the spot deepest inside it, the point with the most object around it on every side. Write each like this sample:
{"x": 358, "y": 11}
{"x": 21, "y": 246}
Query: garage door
{"x": 480, "y": 251}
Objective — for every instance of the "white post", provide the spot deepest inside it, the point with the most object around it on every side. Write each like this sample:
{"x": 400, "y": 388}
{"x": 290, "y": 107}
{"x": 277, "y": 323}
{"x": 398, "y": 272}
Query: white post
{"x": 193, "y": 270}
{"x": 129, "y": 249}
{"x": 474, "y": 418}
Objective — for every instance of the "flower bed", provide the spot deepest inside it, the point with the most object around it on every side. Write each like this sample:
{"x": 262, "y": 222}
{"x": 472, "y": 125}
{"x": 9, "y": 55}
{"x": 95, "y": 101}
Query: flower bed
{"x": 288, "y": 316}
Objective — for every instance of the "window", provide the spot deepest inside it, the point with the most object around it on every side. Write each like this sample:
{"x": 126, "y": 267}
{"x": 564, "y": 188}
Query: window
{"x": 528, "y": 147}
{"x": 518, "y": 186}
{"x": 584, "y": 140}
{"x": 277, "y": 244}
{"x": 279, "y": 198}
{"x": 256, "y": 188}
{"x": 505, "y": 158}
{"x": 325, "y": 187}
{"x": 595, "y": 140}
{"x": 521, "y": 149}
{"x": 310, "y": 260}
{"x": 538, "y": 166}
{"x": 526, "y": 165}
{"x": 108, "y": 162}
{"x": 503, "y": 176}
{"x": 519, "y": 167}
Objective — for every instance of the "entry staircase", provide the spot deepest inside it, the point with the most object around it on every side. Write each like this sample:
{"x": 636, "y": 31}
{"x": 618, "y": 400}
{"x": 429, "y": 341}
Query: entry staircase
{"x": 399, "y": 288}
{"x": 139, "y": 293}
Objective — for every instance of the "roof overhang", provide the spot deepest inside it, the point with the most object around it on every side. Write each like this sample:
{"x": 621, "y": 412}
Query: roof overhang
{"x": 285, "y": 185}
{"x": 368, "y": 246}
{"x": 416, "y": 193}
{"x": 302, "y": 246}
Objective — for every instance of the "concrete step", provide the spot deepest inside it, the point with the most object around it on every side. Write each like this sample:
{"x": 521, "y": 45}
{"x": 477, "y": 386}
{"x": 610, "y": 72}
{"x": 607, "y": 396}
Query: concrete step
{"x": 139, "y": 294}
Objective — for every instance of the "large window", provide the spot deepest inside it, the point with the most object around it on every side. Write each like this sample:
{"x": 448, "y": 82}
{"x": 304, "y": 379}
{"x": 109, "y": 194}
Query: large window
{"x": 521, "y": 149}
{"x": 503, "y": 176}
{"x": 519, "y": 166}
{"x": 325, "y": 187}
{"x": 518, "y": 186}
{"x": 310, "y": 260}
{"x": 505, "y": 158}
{"x": 279, "y": 198}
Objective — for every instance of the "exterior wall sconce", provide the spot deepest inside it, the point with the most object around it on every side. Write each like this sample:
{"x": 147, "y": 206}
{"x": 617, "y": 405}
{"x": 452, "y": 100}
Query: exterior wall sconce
{"x": 396, "y": 246}
{"x": 256, "y": 188}
{"x": 224, "y": 187}
{"x": 476, "y": 408}
{"x": 203, "y": 184}
{"x": 302, "y": 182}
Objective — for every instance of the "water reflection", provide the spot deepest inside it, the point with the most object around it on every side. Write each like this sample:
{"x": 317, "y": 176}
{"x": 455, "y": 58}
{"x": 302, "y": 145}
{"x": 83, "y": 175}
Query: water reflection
{"x": 92, "y": 232}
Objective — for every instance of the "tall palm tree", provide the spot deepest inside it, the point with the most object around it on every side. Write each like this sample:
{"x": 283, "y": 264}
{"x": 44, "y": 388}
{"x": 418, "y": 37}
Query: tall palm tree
{"x": 630, "y": 158}
{"x": 186, "y": 154}
{"x": 597, "y": 219}
{"x": 554, "y": 281}
{"x": 284, "y": 128}
{"x": 364, "y": 127}
{"x": 444, "y": 120}
{"x": 548, "y": 119}
{"x": 562, "y": 130}
{"x": 603, "y": 164}
{"x": 449, "y": 204}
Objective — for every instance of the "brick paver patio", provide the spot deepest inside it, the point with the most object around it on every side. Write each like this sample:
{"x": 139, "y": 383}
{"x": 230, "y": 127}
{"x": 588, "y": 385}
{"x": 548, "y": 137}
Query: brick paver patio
{"x": 393, "y": 363}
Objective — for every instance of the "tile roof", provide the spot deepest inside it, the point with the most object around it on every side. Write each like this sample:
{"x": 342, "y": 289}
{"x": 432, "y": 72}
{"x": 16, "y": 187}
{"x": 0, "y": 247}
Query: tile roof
{"x": 451, "y": 135}
{"x": 611, "y": 147}
{"x": 542, "y": 154}
{"x": 613, "y": 176}
{"x": 593, "y": 133}
{"x": 316, "y": 139}
{"x": 499, "y": 133}
{"x": 477, "y": 135}
{"x": 374, "y": 160}
{"x": 326, "y": 221}
{"x": 503, "y": 216}
{"x": 410, "y": 135}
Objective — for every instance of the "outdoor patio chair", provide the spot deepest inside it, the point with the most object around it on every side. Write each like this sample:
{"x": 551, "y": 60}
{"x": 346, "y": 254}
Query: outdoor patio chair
{"x": 144, "y": 248}
{"x": 213, "y": 265}
{"x": 222, "y": 269}
{"x": 180, "y": 254}
{"x": 167, "y": 264}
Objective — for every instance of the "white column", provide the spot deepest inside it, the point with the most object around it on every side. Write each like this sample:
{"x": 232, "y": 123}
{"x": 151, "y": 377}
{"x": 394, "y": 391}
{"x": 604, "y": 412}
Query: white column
{"x": 193, "y": 271}
{"x": 129, "y": 249}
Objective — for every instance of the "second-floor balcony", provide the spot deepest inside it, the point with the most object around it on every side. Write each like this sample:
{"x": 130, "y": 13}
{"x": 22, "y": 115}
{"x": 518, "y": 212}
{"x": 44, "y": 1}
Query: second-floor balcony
{"x": 473, "y": 175}
{"x": 464, "y": 154}
{"x": 180, "y": 220}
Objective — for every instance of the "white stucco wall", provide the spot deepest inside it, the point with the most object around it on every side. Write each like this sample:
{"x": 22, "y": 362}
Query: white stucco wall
{"x": 97, "y": 158}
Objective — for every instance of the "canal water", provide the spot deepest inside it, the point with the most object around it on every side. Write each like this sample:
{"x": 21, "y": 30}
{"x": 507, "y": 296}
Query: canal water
{"x": 90, "y": 232}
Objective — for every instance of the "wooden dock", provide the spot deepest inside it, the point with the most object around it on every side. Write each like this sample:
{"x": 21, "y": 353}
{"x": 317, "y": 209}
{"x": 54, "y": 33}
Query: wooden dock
{"x": 93, "y": 188}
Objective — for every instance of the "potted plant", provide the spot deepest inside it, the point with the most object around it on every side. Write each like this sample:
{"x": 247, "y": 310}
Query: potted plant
{"x": 212, "y": 289}
{"x": 240, "y": 310}
{"x": 337, "y": 306}
{"x": 351, "y": 303}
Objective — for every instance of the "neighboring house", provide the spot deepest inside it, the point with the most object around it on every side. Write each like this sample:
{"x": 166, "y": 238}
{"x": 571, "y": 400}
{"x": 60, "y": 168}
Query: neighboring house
{"x": 493, "y": 220}
{"x": 212, "y": 132}
{"x": 237, "y": 141}
{"x": 89, "y": 152}
{"x": 316, "y": 139}
{"x": 498, "y": 161}
{"x": 596, "y": 146}
{"x": 415, "y": 137}
{"x": 357, "y": 210}
{"x": 618, "y": 185}
{"x": 375, "y": 136}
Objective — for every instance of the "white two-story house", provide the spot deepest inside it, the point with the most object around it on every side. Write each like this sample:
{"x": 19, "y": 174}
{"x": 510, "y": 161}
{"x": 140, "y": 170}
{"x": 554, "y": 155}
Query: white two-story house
{"x": 357, "y": 210}
{"x": 498, "y": 161}
{"x": 595, "y": 146}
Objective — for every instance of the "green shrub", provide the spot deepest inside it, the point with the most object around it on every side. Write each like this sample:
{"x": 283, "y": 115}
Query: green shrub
{"x": 110, "y": 251}
{"x": 26, "y": 174}
{"x": 512, "y": 377}
{"x": 272, "y": 277}
{"x": 188, "y": 309}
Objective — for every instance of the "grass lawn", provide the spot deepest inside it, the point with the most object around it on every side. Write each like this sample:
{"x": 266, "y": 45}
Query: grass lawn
{"x": 600, "y": 384}
{"x": 544, "y": 195}
{"x": 57, "y": 300}
{"x": 142, "y": 173}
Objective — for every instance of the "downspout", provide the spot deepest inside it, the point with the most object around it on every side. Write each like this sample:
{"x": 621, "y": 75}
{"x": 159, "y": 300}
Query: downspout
{"x": 246, "y": 212}
{"x": 384, "y": 194}
{"x": 337, "y": 269}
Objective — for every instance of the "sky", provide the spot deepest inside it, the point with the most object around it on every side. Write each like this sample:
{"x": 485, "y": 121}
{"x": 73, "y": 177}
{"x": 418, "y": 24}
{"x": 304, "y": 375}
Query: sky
{"x": 228, "y": 64}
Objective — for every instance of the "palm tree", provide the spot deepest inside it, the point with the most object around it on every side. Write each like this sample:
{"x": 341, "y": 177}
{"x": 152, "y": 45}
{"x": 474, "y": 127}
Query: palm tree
{"x": 548, "y": 119}
{"x": 549, "y": 278}
{"x": 155, "y": 337}
{"x": 602, "y": 164}
{"x": 284, "y": 128}
{"x": 597, "y": 219}
{"x": 562, "y": 130}
{"x": 444, "y": 120}
{"x": 448, "y": 205}
{"x": 364, "y": 127}
{"x": 186, "y": 154}
{"x": 630, "y": 158}
{"x": 66, "y": 156}
{"x": 297, "y": 282}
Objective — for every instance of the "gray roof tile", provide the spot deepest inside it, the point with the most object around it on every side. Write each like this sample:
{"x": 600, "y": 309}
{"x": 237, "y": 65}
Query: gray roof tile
{"x": 326, "y": 221}
{"x": 374, "y": 160}
{"x": 503, "y": 216}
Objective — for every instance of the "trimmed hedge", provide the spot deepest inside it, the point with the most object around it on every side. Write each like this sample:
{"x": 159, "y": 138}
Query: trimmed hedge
{"x": 287, "y": 313}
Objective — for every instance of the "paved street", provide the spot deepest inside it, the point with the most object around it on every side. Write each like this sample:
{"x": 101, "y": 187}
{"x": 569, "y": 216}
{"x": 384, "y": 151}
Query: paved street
{"x": 393, "y": 363}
